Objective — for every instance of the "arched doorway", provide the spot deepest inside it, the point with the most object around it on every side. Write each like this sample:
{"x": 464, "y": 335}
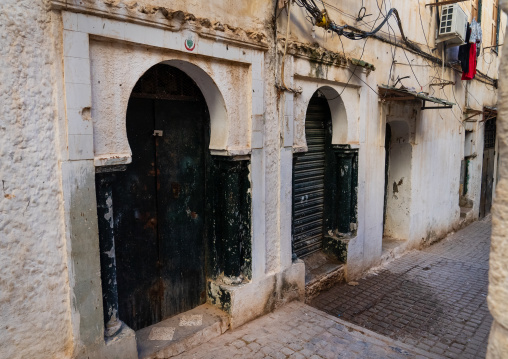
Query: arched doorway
{"x": 160, "y": 207}
{"x": 325, "y": 182}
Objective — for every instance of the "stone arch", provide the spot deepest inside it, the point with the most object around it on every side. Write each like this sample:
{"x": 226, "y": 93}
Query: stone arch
{"x": 343, "y": 104}
{"x": 404, "y": 118}
{"x": 228, "y": 97}
{"x": 219, "y": 126}
{"x": 339, "y": 115}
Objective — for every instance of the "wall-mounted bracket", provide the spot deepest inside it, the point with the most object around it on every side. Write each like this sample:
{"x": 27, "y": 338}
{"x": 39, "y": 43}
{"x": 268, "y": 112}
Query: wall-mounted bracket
{"x": 434, "y": 107}
{"x": 471, "y": 113}
{"x": 388, "y": 93}
{"x": 447, "y": 2}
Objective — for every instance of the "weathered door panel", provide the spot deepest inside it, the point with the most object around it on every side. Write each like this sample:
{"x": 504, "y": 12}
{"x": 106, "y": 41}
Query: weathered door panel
{"x": 159, "y": 201}
{"x": 180, "y": 159}
{"x": 345, "y": 162}
{"x": 136, "y": 241}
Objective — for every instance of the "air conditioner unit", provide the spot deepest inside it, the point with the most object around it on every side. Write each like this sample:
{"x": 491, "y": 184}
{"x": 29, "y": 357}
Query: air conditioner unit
{"x": 452, "y": 26}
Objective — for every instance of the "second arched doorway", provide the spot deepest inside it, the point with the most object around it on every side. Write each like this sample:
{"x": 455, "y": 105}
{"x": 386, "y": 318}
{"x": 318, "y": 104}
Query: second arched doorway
{"x": 325, "y": 182}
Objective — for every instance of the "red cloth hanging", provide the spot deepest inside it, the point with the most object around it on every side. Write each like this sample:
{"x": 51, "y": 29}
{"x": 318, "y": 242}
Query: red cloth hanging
{"x": 471, "y": 71}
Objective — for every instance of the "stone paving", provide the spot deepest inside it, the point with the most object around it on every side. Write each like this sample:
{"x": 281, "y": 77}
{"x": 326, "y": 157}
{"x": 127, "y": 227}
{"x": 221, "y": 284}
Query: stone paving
{"x": 434, "y": 299}
{"x": 300, "y": 331}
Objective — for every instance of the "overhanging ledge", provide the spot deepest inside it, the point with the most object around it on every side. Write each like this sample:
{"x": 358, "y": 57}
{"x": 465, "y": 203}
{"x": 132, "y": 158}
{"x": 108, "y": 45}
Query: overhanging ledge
{"x": 388, "y": 93}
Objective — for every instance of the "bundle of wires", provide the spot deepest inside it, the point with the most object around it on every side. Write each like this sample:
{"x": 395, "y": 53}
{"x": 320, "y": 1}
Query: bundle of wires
{"x": 320, "y": 18}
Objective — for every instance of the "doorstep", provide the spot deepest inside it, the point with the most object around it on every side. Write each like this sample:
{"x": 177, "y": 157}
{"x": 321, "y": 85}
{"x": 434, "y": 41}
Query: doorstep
{"x": 322, "y": 271}
{"x": 392, "y": 248}
{"x": 182, "y": 332}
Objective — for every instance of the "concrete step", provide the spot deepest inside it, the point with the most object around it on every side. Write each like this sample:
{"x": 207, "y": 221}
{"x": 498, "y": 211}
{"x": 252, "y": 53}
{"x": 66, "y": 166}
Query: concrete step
{"x": 182, "y": 332}
{"x": 321, "y": 273}
{"x": 392, "y": 248}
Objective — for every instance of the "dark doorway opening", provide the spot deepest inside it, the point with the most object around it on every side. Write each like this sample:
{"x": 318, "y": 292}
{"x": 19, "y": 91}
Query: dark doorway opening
{"x": 489, "y": 154}
{"x": 388, "y": 139}
{"x": 159, "y": 200}
{"x": 397, "y": 191}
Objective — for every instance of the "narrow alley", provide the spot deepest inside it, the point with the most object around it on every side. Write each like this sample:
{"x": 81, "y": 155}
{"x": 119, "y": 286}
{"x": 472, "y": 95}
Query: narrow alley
{"x": 425, "y": 304}
{"x": 434, "y": 299}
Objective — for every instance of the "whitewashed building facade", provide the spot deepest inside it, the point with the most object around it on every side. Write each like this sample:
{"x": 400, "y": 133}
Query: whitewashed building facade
{"x": 159, "y": 155}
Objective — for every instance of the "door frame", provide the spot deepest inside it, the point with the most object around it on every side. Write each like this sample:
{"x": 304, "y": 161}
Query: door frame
{"x": 80, "y": 160}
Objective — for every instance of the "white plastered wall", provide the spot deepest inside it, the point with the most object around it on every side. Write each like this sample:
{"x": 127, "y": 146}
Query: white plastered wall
{"x": 34, "y": 285}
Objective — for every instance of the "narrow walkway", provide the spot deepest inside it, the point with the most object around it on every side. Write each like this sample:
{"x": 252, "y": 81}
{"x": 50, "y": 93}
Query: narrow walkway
{"x": 433, "y": 299}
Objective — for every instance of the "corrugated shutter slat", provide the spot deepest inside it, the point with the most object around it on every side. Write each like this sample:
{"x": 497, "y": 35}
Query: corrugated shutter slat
{"x": 308, "y": 183}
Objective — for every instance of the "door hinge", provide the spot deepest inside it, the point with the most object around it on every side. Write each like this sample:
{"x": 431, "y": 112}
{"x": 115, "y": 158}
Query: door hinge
{"x": 157, "y": 133}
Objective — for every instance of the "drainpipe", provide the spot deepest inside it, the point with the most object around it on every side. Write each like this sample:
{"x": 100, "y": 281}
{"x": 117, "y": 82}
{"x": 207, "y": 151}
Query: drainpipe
{"x": 107, "y": 253}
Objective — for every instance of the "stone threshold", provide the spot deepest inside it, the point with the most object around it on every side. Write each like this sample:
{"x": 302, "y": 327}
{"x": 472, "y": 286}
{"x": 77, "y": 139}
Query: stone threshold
{"x": 322, "y": 271}
{"x": 181, "y": 333}
{"x": 392, "y": 248}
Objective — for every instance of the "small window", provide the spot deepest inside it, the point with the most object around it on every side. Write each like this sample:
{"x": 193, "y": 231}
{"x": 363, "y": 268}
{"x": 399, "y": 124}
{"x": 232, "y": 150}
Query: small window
{"x": 476, "y": 10}
{"x": 496, "y": 17}
{"x": 468, "y": 143}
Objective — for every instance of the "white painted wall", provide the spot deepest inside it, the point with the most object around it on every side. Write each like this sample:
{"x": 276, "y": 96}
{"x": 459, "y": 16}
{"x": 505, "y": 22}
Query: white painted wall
{"x": 34, "y": 284}
{"x": 498, "y": 272}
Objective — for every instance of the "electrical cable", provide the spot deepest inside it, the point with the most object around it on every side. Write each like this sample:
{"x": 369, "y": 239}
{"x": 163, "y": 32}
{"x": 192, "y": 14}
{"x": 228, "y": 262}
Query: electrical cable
{"x": 352, "y": 17}
{"x": 487, "y": 80}
{"x": 361, "y": 15}
{"x": 425, "y": 35}
{"x": 322, "y": 20}
{"x": 393, "y": 49}
{"x": 356, "y": 66}
{"x": 453, "y": 113}
{"x": 457, "y": 102}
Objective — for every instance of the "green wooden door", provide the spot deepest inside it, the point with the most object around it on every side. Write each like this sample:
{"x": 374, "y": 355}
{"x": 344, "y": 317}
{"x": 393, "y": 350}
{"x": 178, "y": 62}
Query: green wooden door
{"x": 159, "y": 201}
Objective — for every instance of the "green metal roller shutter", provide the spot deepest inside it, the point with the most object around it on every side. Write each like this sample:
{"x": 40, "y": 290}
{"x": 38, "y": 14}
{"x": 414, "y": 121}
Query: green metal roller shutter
{"x": 308, "y": 181}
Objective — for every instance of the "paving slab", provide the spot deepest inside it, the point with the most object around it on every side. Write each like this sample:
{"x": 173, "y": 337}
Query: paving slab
{"x": 434, "y": 299}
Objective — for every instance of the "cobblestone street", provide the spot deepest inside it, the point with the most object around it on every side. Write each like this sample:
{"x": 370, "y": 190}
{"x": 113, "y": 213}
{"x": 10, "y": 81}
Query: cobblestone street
{"x": 433, "y": 299}
{"x": 300, "y": 331}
